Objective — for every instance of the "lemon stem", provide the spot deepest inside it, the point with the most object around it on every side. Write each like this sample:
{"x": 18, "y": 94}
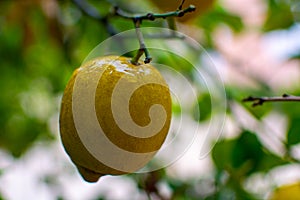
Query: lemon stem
{"x": 142, "y": 49}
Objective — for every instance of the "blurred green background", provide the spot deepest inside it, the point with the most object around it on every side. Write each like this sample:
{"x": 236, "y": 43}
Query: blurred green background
{"x": 256, "y": 48}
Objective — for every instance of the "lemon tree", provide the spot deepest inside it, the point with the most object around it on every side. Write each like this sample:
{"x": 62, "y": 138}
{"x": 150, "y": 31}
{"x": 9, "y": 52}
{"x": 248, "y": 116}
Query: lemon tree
{"x": 31, "y": 85}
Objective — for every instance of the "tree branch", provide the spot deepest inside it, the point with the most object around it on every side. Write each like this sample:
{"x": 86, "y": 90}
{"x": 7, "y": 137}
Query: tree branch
{"x": 258, "y": 101}
{"x": 89, "y": 10}
{"x": 153, "y": 16}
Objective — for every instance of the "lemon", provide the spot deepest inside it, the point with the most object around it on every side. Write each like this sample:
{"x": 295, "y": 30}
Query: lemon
{"x": 171, "y": 5}
{"x": 287, "y": 192}
{"x": 114, "y": 116}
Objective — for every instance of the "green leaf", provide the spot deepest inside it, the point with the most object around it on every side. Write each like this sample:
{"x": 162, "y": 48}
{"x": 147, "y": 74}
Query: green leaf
{"x": 176, "y": 108}
{"x": 202, "y": 109}
{"x": 295, "y": 56}
{"x": 293, "y": 135}
{"x": 244, "y": 155}
{"x": 279, "y": 15}
{"x": 270, "y": 161}
{"x": 247, "y": 150}
{"x": 179, "y": 63}
{"x": 292, "y": 110}
{"x": 258, "y": 111}
{"x": 19, "y": 134}
{"x": 221, "y": 154}
{"x": 220, "y": 16}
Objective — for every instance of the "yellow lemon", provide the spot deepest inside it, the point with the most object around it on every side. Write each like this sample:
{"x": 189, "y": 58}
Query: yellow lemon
{"x": 287, "y": 192}
{"x": 171, "y": 5}
{"x": 114, "y": 116}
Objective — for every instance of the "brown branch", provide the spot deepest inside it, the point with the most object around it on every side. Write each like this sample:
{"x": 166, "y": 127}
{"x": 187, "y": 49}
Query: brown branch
{"x": 258, "y": 101}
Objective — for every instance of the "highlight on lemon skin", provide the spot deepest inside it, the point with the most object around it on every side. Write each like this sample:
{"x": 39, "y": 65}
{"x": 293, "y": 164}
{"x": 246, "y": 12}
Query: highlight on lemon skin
{"x": 114, "y": 116}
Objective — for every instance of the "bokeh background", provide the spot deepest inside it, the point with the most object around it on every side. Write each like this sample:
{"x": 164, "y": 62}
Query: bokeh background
{"x": 255, "y": 46}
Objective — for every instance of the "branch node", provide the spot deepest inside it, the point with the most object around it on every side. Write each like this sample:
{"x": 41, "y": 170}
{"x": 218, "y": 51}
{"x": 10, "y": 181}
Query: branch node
{"x": 114, "y": 10}
{"x": 285, "y": 95}
{"x": 250, "y": 98}
{"x": 147, "y": 60}
{"x": 181, "y": 13}
{"x": 192, "y": 8}
{"x": 150, "y": 16}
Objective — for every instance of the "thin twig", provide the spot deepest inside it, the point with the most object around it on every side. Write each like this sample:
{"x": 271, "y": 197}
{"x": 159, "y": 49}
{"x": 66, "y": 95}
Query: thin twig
{"x": 257, "y": 101}
{"x": 181, "y": 5}
{"x": 153, "y": 16}
{"x": 90, "y": 11}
